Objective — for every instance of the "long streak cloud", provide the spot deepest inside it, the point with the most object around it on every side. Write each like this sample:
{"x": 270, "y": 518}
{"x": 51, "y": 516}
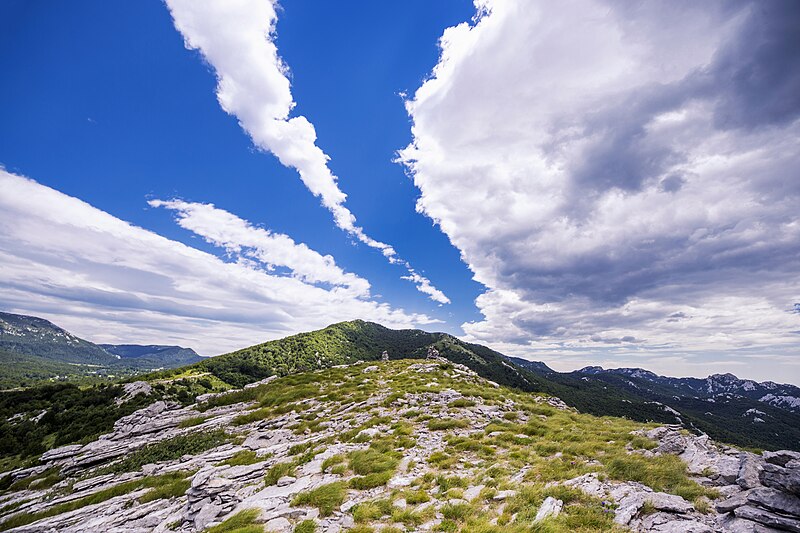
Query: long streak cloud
{"x": 236, "y": 37}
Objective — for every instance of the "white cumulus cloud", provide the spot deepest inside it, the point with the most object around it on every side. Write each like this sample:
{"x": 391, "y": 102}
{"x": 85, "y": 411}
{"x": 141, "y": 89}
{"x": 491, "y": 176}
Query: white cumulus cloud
{"x": 620, "y": 177}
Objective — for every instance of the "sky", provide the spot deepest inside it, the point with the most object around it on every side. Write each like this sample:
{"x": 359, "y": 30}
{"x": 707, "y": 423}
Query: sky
{"x": 582, "y": 183}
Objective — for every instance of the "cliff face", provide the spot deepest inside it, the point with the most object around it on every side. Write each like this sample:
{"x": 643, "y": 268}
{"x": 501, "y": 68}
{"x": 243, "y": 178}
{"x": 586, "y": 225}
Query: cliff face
{"x": 395, "y": 446}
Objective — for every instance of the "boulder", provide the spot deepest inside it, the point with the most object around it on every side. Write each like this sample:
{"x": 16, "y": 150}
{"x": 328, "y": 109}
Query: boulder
{"x": 550, "y": 507}
{"x": 669, "y": 502}
{"x": 64, "y": 452}
{"x": 781, "y": 457}
{"x": 768, "y": 518}
{"x": 727, "y": 506}
{"x": 473, "y": 492}
{"x": 783, "y": 479}
{"x": 750, "y": 467}
{"x": 278, "y": 525}
{"x": 259, "y": 383}
{"x": 775, "y": 500}
{"x": 669, "y": 523}
{"x": 731, "y": 524}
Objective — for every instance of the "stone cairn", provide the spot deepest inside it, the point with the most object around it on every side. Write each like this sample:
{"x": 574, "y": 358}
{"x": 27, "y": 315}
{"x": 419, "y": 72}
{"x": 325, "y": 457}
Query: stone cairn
{"x": 385, "y": 356}
{"x": 433, "y": 353}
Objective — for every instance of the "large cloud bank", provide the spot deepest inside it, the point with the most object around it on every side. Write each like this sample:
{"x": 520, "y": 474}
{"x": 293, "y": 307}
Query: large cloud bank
{"x": 236, "y": 37}
{"x": 110, "y": 281}
{"x": 622, "y": 177}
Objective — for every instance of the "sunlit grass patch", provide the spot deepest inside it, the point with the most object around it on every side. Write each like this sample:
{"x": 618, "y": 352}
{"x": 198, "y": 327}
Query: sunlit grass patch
{"x": 193, "y": 421}
{"x": 326, "y": 498}
{"x": 441, "y": 424}
{"x": 372, "y": 510}
{"x": 665, "y": 473}
{"x": 241, "y": 458}
{"x": 278, "y": 471}
{"x": 306, "y": 526}
{"x": 241, "y": 522}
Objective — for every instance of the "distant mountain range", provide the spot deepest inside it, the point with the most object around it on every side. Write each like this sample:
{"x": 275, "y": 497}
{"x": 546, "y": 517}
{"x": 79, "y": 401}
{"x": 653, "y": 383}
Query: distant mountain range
{"x": 717, "y": 387}
{"x": 33, "y": 349}
{"x": 729, "y": 409}
{"x": 152, "y": 355}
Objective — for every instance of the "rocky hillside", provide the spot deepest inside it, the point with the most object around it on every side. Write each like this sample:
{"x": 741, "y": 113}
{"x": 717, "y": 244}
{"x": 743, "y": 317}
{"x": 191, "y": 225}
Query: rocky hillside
{"x": 394, "y": 446}
{"x": 727, "y": 417}
{"x": 731, "y": 419}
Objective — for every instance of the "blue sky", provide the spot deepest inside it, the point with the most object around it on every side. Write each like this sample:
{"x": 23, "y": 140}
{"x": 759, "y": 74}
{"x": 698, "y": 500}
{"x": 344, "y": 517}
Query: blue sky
{"x": 580, "y": 184}
{"x": 104, "y": 103}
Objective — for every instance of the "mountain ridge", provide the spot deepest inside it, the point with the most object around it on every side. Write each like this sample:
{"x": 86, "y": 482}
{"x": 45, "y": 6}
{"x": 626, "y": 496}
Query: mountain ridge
{"x": 631, "y": 393}
{"x": 605, "y": 394}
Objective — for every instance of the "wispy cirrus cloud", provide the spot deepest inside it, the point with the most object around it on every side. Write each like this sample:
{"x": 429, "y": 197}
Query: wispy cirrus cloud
{"x": 110, "y": 281}
{"x": 237, "y": 39}
{"x": 620, "y": 177}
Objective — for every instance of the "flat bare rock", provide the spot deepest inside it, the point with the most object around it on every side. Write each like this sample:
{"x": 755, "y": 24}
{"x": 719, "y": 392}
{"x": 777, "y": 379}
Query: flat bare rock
{"x": 768, "y": 518}
{"x": 775, "y": 500}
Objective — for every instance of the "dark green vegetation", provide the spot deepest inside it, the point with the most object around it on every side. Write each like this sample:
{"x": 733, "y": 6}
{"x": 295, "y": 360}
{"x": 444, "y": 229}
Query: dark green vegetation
{"x": 717, "y": 405}
{"x": 33, "y": 350}
{"x": 39, "y": 418}
{"x": 22, "y": 370}
{"x": 30, "y": 335}
{"x": 36, "y": 419}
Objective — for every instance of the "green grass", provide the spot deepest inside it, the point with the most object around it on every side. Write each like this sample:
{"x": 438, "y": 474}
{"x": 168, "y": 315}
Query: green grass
{"x": 372, "y": 510}
{"x": 167, "y": 488}
{"x": 306, "y": 526}
{"x": 666, "y": 473}
{"x": 277, "y": 471}
{"x": 169, "y": 450}
{"x": 457, "y": 512}
{"x": 241, "y": 522}
{"x": 371, "y": 461}
{"x": 370, "y": 481}
{"x": 41, "y": 481}
{"x": 193, "y": 421}
{"x": 332, "y": 461}
{"x": 242, "y": 458}
{"x": 447, "y": 423}
{"x": 326, "y": 498}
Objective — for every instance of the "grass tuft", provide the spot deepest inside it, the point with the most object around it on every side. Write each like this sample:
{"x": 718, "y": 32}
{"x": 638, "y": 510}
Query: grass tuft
{"x": 326, "y": 498}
